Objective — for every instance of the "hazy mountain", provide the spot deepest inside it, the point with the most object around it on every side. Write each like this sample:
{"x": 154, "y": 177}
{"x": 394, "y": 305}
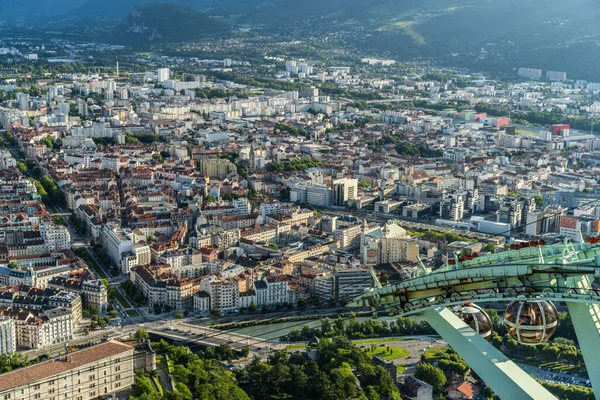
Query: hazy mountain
{"x": 162, "y": 22}
{"x": 23, "y": 8}
{"x": 495, "y": 35}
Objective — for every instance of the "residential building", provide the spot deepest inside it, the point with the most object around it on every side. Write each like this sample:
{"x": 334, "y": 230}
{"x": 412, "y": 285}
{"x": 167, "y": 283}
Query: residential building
{"x": 351, "y": 282}
{"x": 202, "y": 302}
{"x": 116, "y": 244}
{"x": 388, "y": 244}
{"x": 224, "y": 293}
{"x": 272, "y": 290}
{"x": 8, "y": 336}
{"x": 161, "y": 286}
{"x": 344, "y": 190}
{"x": 85, "y": 374}
{"x": 216, "y": 167}
{"x": 56, "y": 237}
{"x": 36, "y": 329}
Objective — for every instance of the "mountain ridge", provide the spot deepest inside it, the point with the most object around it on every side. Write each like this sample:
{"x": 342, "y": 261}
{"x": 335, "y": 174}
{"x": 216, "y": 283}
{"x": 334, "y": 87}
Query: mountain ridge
{"x": 165, "y": 22}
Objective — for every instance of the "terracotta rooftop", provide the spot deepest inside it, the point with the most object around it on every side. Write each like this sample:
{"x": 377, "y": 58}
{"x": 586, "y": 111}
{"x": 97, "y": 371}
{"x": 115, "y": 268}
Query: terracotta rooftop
{"x": 37, "y": 372}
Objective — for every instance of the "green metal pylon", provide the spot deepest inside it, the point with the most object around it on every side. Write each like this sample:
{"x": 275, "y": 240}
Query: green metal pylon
{"x": 586, "y": 321}
{"x": 505, "y": 378}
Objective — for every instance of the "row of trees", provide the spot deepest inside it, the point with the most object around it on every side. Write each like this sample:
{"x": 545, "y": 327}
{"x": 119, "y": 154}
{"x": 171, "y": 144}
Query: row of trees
{"x": 47, "y": 189}
{"x": 352, "y": 328}
{"x": 134, "y": 294}
{"x": 571, "y": 392}
{"x": 297, "y": 164}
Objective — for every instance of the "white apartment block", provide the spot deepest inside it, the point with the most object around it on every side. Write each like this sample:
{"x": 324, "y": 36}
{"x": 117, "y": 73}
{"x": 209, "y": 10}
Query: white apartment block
{"x": 8, "y": 333}
{"x": 7, "y": 160}
{"x": 36, "y": 329}
{"x": 349, "y": 237}
{"x": 202, "y": 302}
{"x": 56, "y": 237}
{"x": 163, "y": 74}
{"x": 272, "y": 290}
{"x": 116, "y": 244}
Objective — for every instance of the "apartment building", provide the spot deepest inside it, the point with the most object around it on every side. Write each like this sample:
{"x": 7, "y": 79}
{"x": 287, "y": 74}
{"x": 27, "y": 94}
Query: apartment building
{"x": 351, "y": 282}
{"x": 224, "y": 293}
{"x": 388, "y": 244}
{"x": 161, "y": 286}
{"x": 116, "y": 243}
{"x": 8, "y": 336}
{"x": 348, "y": 237}
{"x": 43, "y": 299}
{"x": 344, "y": 190}
{"x": 216, "y": 167}
{"x": 94, "y": 292}
{"x": 272, "y": 290}
{"x": 35, "y": 328}
{"x": 55, "y": 237}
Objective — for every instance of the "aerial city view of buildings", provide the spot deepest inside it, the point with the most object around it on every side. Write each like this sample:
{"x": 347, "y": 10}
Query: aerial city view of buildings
{"x": 160, "y": 202}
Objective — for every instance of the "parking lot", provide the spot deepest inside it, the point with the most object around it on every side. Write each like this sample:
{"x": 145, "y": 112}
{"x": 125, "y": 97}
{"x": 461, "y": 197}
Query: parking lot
{"x": 552, "y": 376}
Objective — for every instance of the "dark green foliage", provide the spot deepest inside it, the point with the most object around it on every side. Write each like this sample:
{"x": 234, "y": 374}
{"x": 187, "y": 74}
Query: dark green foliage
{"x": 297, "y": 164}
{"x": 132, "y": 291}
{"x": 105, "y": 141}
{"x": 291, "y": 130}
{"x": 432, "y": 375}
{"x": 332, "y": 376}
{"x": 8, "y": 362}
{"x": 572, "y": 392}
{"x": 79, "y": 225}
{"x": 353, "y": 329}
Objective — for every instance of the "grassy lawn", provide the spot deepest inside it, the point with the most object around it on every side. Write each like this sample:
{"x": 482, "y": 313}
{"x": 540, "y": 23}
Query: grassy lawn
{"x": 99, "y": 271}
{"x": 378, "y": 341}
{"x": 434, "y": 352}
{"x": 296, "y": 346}
{"x": 121, "y": 299}
{"x": 133, "y": 313}
{"x": 394, "y": 353}
{"x": 400, "y": 368}
{"x": 156, "y": 383}
{"x": 520, "y": 131}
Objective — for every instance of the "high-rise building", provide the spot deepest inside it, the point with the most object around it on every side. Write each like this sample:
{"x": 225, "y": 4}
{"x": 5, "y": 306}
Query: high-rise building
{"x": 530, "y": 73}
{"x": 344, "y": 190}
{"x": 23, "y": 99}
{"x": 163, "y": 74}
{"x": 8, "y": 342}
{"x": 557, "y": 76}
